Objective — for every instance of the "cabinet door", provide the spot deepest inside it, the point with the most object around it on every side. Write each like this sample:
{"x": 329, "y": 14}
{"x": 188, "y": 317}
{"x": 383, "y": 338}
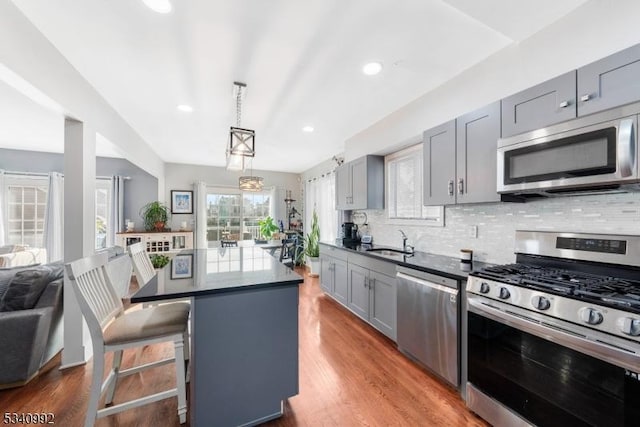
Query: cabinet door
{"x": 358, "y": 292}
{"x": 343, "y": 187}
{"x": 340, "y": 279}
{"x": 326, "y": 274}
{"x": 609, "y": 82}
{"x": 439, "y": 167}
{"x": 476, "y": 144}
{"x": 553, "y": 101}
{"x": 383, "y": 303}
{"x": 359, "y": 183}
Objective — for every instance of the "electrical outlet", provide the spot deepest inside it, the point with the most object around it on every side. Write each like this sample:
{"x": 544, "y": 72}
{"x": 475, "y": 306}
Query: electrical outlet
{"x": 473, "y": 231}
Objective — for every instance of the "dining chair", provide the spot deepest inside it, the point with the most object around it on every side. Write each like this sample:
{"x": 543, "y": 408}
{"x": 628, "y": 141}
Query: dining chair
{"x": 289, "y": 252}
{"x": 141, "y": 263}
{"x": 228, "y": 243}
{"x": 114, "y": 330}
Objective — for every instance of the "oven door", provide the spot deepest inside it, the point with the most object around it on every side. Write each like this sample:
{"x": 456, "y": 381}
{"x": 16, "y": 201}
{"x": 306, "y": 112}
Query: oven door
{"x": 548, "y": 374}
{"x": 598, "y": 155}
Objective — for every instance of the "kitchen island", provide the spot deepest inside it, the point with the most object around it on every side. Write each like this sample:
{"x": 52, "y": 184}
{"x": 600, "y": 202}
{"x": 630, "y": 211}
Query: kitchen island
{"x": 244, "y": 331}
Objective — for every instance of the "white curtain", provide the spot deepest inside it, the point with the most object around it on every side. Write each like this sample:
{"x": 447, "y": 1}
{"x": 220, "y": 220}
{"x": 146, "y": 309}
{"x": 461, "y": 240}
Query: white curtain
{"x": 200, "y": 194}
{"x": 54, "y": 218}
{"x": 115, "y": 221}
{"x": 320, "y": 195}
{"x": 2, "y": 207}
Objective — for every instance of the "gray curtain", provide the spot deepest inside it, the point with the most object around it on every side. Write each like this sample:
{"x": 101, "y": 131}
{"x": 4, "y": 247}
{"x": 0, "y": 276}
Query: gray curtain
{"x": 116, "y": 211}
{"x": 2, "y": 195}
{"x": 54, "y": 218}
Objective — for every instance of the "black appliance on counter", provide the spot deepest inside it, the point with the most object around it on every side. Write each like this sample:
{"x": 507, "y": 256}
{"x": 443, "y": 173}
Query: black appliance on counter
{"x": 554, "y": 339}
{"x": 350, "y": 235}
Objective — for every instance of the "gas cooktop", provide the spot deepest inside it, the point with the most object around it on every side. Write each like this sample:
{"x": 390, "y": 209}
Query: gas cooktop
{"x": 605, "y": 290}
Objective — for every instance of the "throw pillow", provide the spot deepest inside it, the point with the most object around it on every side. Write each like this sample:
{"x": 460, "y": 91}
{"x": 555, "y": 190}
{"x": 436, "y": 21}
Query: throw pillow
{"x": 26, "y": 286}
{"x": 6, "y": 274}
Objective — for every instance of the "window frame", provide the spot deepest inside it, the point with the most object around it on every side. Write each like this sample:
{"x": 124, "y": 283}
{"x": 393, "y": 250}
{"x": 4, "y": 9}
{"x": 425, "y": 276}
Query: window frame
{"x": 432, "y": 216}
{"x": 25, "y": 180}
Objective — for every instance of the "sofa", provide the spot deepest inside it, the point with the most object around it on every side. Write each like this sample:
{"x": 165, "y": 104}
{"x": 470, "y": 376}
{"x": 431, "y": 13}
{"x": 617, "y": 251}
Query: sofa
{"x": 18, "y": 255}
{"x": 31, "y": 323}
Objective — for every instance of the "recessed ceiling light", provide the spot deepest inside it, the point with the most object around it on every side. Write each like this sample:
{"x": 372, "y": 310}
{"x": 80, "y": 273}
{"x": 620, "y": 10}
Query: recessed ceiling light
{"x": 185, "y": 108}
{"x": 372, "y": 68}
{"x": 160, "y": 6}
{"x": 308, "y": 129}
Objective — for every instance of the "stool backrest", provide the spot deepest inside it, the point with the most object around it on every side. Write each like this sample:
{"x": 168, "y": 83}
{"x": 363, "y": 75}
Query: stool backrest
{"x": 141, "y": 263}
{"x": 98, "y": 300}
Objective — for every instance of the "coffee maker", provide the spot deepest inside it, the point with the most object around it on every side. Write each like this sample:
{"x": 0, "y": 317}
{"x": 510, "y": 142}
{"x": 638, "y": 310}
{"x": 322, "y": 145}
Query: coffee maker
{"x": 350, "y": 235}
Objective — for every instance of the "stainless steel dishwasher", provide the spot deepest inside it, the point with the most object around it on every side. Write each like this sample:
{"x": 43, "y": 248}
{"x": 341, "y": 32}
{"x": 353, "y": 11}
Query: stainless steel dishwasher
{"x": 427, "y": 321}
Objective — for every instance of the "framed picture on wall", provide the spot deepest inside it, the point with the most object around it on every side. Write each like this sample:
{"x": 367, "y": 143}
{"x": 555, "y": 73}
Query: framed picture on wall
{"x": 181, "y": 202}
{"x": 182, "y": 266}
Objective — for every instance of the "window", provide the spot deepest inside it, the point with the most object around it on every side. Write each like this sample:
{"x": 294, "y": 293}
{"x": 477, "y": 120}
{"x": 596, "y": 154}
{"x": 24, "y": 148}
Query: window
{"x": 26, "y": 204}
{"x": 404, "y": 188}
{"x": 320, "y": 195}
{"x": 233, "y": 215}
{"x": 103, "y": 205}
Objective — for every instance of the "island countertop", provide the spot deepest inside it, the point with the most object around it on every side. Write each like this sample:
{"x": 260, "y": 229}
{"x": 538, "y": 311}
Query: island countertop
{"x": 216, "y": 270}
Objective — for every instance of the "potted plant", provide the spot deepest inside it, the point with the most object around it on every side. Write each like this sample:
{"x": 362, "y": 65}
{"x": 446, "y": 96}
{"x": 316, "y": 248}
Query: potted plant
{"x": 159, "y": 261}
{"x": 312, "y": 247}
{"x": 267, "y": 227}
{"x": 154, "y": 216}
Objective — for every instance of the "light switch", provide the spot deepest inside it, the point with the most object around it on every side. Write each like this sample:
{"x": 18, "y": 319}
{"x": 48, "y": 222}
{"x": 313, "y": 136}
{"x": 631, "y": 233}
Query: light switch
{"x": 473, "y": 231}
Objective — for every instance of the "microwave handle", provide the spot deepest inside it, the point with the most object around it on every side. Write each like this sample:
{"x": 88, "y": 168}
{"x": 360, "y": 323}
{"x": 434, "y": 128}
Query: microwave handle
{"x": 626, "y": 147}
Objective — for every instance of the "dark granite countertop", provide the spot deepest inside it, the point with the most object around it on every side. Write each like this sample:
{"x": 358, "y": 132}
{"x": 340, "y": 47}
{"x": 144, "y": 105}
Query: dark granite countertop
{"x": 442, "y": 265}
{"x": 211, "y": 271}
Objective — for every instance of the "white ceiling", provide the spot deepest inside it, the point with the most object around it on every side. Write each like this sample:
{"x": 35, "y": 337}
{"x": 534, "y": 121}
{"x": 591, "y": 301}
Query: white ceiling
{"x": 301, "y": 61}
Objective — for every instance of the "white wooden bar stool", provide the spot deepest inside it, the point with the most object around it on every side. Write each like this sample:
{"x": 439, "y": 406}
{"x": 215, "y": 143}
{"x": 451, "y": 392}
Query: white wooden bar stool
{"x": 141, "y": 263}
{"x": 113, "y": 330}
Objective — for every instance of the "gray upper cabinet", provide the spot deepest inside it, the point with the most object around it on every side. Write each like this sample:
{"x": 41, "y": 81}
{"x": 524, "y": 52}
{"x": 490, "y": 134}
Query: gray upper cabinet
{"x": 551, "y": 102}
{"x": 360, "y": 184}
{"x": 439, "y": 166}
{"x": 609, "y": 82}
{"x": 476, "y": 143}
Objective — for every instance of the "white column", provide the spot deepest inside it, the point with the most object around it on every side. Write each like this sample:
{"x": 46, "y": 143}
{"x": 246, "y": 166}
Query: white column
{"x": 79, "y": 230}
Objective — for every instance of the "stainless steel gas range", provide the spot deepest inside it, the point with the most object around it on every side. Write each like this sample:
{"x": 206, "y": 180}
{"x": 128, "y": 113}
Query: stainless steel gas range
{"x": 554, "y": 339}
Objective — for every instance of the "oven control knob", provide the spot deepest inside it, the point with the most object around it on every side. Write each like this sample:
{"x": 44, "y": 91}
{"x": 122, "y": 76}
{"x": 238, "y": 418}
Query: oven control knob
{"x": 484, "y": 288}
{"x": 504, "y": 293}
{"x": 630, "y": 326}
{"x": 540, "y": 302}
{"x": 591, "y": 316}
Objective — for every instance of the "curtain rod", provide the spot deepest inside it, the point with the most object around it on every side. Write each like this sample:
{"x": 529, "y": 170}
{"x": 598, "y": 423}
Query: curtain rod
{"x": 34, "y": 174}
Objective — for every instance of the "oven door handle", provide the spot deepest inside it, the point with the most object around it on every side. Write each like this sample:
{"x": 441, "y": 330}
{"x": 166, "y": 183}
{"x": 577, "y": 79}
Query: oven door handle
{"x": 611, "y": 353}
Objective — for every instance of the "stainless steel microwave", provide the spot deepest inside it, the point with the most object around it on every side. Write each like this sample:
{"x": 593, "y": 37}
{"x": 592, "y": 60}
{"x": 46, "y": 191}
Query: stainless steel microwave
{"x": 596, "y": 152}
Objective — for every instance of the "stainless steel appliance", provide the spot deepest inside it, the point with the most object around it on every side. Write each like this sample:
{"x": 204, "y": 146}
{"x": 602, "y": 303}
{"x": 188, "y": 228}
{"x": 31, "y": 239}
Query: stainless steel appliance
{"x": 554, "y": 339}
{"x": 597, "y": 152}
{"x": 427, "y": 321}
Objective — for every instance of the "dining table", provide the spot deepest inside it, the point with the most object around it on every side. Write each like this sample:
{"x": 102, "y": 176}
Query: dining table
{"x": 244, "y": 331}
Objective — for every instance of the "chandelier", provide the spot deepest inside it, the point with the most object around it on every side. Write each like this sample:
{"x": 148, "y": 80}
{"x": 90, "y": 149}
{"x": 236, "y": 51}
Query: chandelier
{"x": 242, "y": 146}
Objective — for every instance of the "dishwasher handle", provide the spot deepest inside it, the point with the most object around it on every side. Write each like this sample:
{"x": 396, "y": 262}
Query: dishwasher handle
{"x": 435, "y": 286}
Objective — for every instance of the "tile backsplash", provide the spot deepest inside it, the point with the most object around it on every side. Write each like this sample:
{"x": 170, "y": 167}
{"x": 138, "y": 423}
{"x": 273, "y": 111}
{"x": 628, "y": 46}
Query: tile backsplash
{"x": 497, "y": 222}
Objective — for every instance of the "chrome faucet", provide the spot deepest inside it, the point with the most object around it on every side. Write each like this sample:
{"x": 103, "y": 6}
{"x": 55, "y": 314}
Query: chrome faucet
{"x": 405, "y": 247}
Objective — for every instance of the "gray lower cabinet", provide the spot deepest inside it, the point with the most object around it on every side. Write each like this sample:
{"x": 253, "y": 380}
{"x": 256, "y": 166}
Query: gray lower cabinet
{"x": 372, "y": 297}
{"x": 609, "y": 82}
{"x": 333, "y": 277}
{"x": 360, "y": 184}
{"x": 547, "y": 103}
{"x": 460, "y": 159}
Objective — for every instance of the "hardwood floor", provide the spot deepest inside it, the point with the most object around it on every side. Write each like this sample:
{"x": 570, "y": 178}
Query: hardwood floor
{"x": 350, "y": 375}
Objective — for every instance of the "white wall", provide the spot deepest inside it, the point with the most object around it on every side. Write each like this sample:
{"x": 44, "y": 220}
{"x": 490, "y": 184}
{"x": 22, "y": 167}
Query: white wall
{"x": 593, "y": 31}
{"x": 29, "y": 55}
{"x": 182, "y": 177}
